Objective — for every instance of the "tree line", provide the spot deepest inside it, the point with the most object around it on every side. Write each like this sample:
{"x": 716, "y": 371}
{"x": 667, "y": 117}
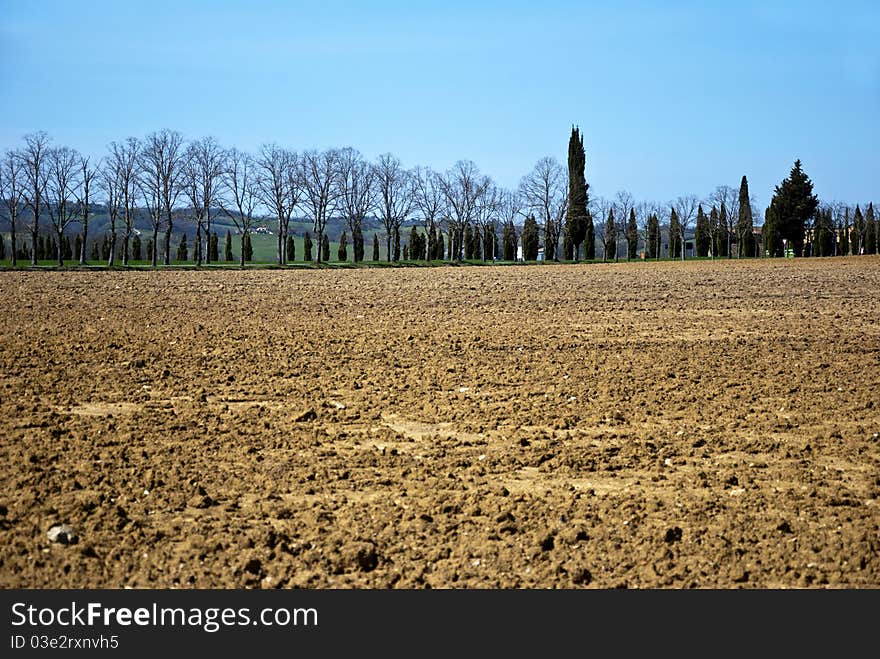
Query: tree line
{"x": 458, "y": 214}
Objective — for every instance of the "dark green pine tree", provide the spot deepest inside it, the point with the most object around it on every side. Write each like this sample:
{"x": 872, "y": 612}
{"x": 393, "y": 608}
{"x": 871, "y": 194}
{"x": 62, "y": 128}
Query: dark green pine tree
{"x": 610, "y": 242}
{"x": 792, "y": 205}
{"x": 66, "y": 249}
{"x": 105, "y": 248}
{"x": 589, "y": 238}
{"x": 395, "y": 243}
{"x": 414, "y": 241}
{"x": 653, "y": 243}
{"x": 478, "y": 245}
{"x": 149, "y": 250}
{"x": 182, "y": 250}
{"x": 441, "y": 247}
{"x": 702, "y": 237}
{"x": 489, "y": 241}
{"x": 432, "y": 244}
{"x": 508, "y": 241}
{"x": 325, "y": 248}
{"x": 248, "y": 248}
{"x": 215, "y": 247}
{"x": 77, "y": 246}
{"x": 307, "y": 247}
{"x": 714, "y": 230}
{"x": 632, "y": 236}
{"x": 468, "y": 242}
{"x": 674, "y": 236}
{"x": 576, "y": 218}
{"x": 855, "y": 234}
{"x": 375, "y": 247}
{"x": 722, "y": 241}
{"x": 227, "y": 251}
{"x": 871, "y": 237}
{"x": 357, "y": 241}
{"x": 95, "y": 255}
{"x": 136, "y": 248}
{"x": 342, "y": 251}
{"x": 530, "y": 238}
{"x": 290, "y": 248}
{"x": 745, "y": 238}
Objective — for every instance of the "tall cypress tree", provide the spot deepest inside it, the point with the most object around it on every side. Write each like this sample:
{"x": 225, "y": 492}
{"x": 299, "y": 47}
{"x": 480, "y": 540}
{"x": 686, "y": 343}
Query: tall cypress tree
{"x": 674, "y": 235}
{"x": 610, "y": 242}
{"x": 357, "y": 240}
{"x": 653, "y": 243}
{"x": 325, "y": 248}
{"x": 589, "y": 238}
{"x": 136, "y": 248}
{"x": 723, "y": 246}
{"x": 793, "y": 203}
{"x": 307, "y": 247}
{"x": 227, "y": 252}
{"x": 576, "y": 218}
{"x": 441, "y": 247}
{"x": 714, "y": 230}
{"x": 395, "y": 243}
{"x": 342, "y": 251}
{"x": 632, "y": 236}
{"x": 855, "y": 235}
{"x": 182, "y": 250}
{"x": 468, "y": 242}
{"x": 702, "y": 238}
{"x": 375, "y": 247}
{"x": 745, "y": 240}
{"x": 290, "y": 248}
{"x": 530, "y": 239}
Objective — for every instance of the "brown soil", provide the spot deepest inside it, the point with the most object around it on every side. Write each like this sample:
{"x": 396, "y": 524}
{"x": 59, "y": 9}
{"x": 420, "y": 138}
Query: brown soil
{"x": 659, "y": 425}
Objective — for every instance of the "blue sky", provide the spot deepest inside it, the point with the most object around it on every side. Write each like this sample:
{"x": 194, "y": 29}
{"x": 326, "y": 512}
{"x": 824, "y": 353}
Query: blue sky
{"x": 673, "y": 97}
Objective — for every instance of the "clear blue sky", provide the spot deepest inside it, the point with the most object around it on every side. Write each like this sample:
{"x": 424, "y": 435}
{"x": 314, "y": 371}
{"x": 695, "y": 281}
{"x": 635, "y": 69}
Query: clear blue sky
{"x": 673, "y": 97}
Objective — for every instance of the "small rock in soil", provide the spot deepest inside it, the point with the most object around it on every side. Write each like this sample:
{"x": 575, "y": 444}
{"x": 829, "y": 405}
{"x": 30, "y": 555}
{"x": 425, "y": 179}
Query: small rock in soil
{"x": 62, "y": 534}
{"x": 673, "y": 535}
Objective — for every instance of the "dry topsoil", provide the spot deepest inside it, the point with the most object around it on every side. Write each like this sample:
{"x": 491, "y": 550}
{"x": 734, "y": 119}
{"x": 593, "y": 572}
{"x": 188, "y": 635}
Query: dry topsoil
{"x": 662, "y": 425}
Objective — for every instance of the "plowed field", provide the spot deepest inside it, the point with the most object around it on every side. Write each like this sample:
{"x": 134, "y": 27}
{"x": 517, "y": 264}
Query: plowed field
{"x": 663, "y": 425}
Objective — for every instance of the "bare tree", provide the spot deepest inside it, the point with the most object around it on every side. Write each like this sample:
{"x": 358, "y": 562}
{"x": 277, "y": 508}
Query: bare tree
{"x": 120, "y": 176}
{"x": 430, "y": 201}
{"x": 149, "y": 183}
{"x": 12, "y": 184}
{"x": 545, "y": 191}
{"x": 89, "y": 175}
{"x": 279, "y": 189}
{"x": 686, "y": 209}
{"x": 242, "y": 194}
{"x": 394, "y": 195}
{"x": 727, "y": 197}
{"x": 510, "y": 207}
{"x": 487, "y": 211}
{"x": 623, "y": 204}
{"x": 461, "y": 186}
{"x": 61, "y": 190}
{"x": 601, "y": 208}
{"x": 318, "y": 173}
{"x": 36, "y": 176}
{"x": 356, "y": 187}
{"x": 202, "y": 180}
{"x": 162, "y": 160}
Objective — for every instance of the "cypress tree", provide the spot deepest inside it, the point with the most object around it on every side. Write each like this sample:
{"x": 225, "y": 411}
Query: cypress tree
{"x": 530, "y": 239}
{"x": 793, "y": 203}
{"x": 610, "y": 242}
{"x": 567, "y": 246}
{"x": 406, "y": 252}
{"x": 375, "y": 247}
{"x": 714, "y": 230}
{"x": 842, "y": 237}
{"x": 745, "y": 241}
{"x": 290, "y": 248}
{"x": 653, "y": 246}
{"x": 214, "y": 247}
{"x": 414, "y": 252}
{"x": 96, "y": 255}
{"x": 508, "y": 241}
{"x": 136, "y": 248}
{"x": 248, "y": 248}
{"x": 325, "y": 248}
{"x": 149, "y": 250}
{"x": 855, "y": 235}
{"x": 2, "y": 247}
{"x": 576, "y": 217}
{"x": 722, "y": 246}
{"x": 396, "y": 243}
{"x": 227, "y": 250}
{"x": 702, "y": 238}
{"x": 441, "y": 248}
{"x": 468, "y": 242}
{"x": 357, "y": 239}
{"x": 77, "y": 244}
{"x": 307, "y": 247}
{"x": 66, "y": 249}
{"x": 632, "y": 236}
{"x": 590, "y": 238}
{"x": 870, "y": 230}
{"x": 674, "y": 235}
{"x": 342, "y": 251}
{"x": 432, "y": 244}
{"x": 105, "y": 248}
{"x": 182, "y": 250}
